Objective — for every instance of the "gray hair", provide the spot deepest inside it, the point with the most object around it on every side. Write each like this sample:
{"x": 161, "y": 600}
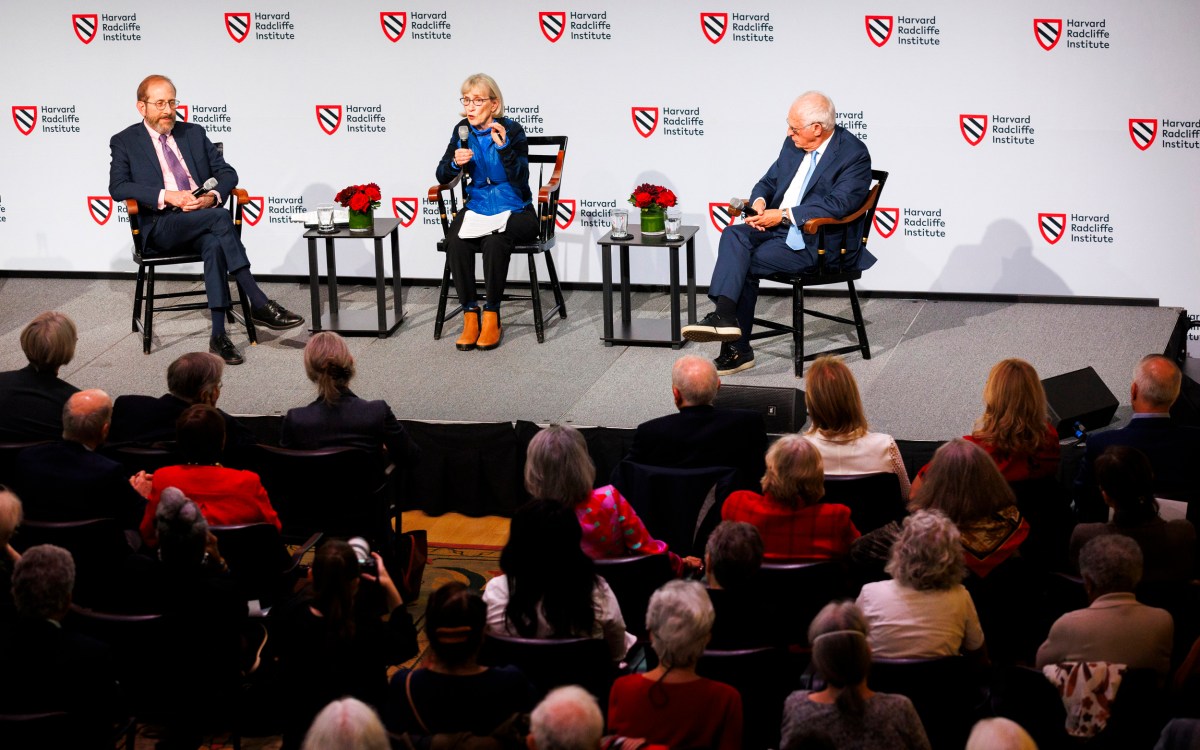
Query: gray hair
{"x": 817, "y": 107}
{"x": 680, "y": 619}
{"x": 568, "y": 718}
{"x": 1111, "y": 564}
{"x": 194, "y": 376}
{"x": 928, "y": 555}
{"x": 85, "y": 416}
{"x": 42, "y": 581}
{"x": 1158, "y": 380}
{"x": 10, "y": 515}
{"x": 696, "y": 380}
{"x": 181, "y": 528}
{"x": 735, "y": 553}
{"x": 347, "y": 723}
{"x": 558, "y": 466}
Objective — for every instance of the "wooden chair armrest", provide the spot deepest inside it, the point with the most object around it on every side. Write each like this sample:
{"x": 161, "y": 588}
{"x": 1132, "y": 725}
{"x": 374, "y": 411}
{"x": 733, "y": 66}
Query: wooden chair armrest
{"x": 242, "y": 196}
{"x": 812, "y": 225}
{"x": 436, "y": 190}
{"x": 131, "y": 206}
{"x": 551, "y": 186}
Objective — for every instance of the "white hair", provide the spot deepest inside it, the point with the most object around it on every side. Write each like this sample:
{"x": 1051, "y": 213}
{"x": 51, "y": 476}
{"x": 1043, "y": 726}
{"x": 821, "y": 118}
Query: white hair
{"x": 568, "y": 718}
{"x": 348, "y": 724}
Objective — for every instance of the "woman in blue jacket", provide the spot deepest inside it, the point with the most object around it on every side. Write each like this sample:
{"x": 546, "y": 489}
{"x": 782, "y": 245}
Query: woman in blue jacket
{"x": 493, "y": 152}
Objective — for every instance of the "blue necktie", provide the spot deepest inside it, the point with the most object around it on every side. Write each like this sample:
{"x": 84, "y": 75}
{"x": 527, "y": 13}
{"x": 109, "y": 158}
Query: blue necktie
{"x": 795, "y": 240}
{"x": 181, "y": 176}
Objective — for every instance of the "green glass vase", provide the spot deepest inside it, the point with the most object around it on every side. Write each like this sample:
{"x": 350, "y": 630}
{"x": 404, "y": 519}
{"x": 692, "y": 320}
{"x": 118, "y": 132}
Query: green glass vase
{"x": 362, "y": 222}
{"x": 654, "y": 220}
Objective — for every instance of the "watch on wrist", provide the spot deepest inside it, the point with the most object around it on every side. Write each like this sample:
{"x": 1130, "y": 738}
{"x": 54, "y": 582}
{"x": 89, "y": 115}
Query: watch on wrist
{"x": 784, "y": 220}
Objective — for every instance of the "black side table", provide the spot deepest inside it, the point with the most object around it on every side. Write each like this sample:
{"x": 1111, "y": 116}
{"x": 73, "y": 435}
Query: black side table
{"x": 648, "y": 332}
{"x": 383, "y": 322}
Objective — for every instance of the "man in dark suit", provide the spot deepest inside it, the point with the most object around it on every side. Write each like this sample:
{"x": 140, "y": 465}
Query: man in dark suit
{"x": 32, "y": 398}
{"x": 700, "y": 435}
{"x": 160, "y": 162}
{"x": 1171, "y": 447}
{"x": 822, "y": 170}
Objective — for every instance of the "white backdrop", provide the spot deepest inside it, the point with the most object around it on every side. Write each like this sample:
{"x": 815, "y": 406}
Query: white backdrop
{"x": 1053, "y": 86}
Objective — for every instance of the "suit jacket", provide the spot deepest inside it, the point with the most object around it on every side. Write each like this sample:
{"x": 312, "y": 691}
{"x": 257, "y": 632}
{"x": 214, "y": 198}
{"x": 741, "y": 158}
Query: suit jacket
{"x": 31, "y": 405}
{"x": 350, "y": 422}
{"x": 64, "y": 481}
{"x": 1116, "y": 628}
{"x": 144, "y": 420}
{"x": 838, "y": 188}
{"x": 701, "y": 436}
{"x": 134, "y": 171}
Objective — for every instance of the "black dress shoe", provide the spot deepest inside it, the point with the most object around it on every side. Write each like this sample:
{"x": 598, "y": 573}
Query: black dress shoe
{"x": 223, "y": 347}
{"x": 713, "y": 327}
{"x": 276, "y": 317}
{"x": 731, "y": 360}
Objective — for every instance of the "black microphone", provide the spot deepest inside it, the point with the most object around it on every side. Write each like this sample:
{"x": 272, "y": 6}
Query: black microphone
{"x": 463, "y": 132}
{"x": 207, "y": 187}
{"x": 738, "y": 204}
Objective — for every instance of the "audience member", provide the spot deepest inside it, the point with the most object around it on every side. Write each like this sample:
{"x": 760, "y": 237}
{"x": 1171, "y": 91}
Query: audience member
{"x": 795, "y": 525}
{"x": 838, "y": 427}
{"x": 671, "y": 704}
{"x": 1126, "y": 482}
{"x": 549, "y": 587}
{"x": 1171, "y": 446}
{"x": 10, "y": 519}
{"x": 568, "y": 718}
{"x": 924, "y": 612}
{"x": 451, "y": 692}
{"x": 32, "y": 398}
{"x": 346, "y": 724}
{"x": 847, "y": 713}
{"x": 1115, "y": 628}
{"x": 558, "y": 468}
{"x": 225, "y": 496}
{"x": 999, "y": 733}
{"x": 700, "y": 435}
{"x": 746, "y": 616}
{"x": 68, "y": 481}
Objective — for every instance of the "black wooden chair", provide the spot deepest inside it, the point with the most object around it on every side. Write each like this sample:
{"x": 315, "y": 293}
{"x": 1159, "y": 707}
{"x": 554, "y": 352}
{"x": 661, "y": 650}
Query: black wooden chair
{"x": 99, "y": 547}
{"x": 946, "y": 692}
{"x": 8, "y": 459}
{"x": 828, "y": 271}
{"x": 874, "y": 500}
{"x": 633, "y": 580}
{"x": 447, "y": 198}
{"x": 552, "y": 662}
{"x": 144, "y": 294}
{"x": 764, "y": 678}
{"x": 801, "y": 590}
{"x": 678, "y": 506}
{"x": 259, "y": 561}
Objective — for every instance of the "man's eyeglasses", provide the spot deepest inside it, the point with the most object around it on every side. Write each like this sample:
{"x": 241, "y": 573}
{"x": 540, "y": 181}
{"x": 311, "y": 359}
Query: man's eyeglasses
{"x": 161, "y": 104}
{"x": 477, "y": 102}
{"x": 796, "y": 131}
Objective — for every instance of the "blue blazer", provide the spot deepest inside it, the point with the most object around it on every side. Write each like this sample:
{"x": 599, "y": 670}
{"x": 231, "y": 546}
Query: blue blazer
{"x": 838, "y": 188}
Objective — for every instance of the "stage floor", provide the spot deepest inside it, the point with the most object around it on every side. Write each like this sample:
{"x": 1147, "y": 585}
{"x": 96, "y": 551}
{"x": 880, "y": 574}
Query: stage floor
{"x": 924, "y": 381}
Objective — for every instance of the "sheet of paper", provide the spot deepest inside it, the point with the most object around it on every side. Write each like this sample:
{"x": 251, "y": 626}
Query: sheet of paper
{"x": 475, "y": 225}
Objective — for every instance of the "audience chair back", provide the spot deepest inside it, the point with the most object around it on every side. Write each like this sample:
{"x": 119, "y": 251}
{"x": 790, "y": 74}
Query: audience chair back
{"x": 98, "y": 545}
{"x": 874, "y": 500}
{"x": 142, "y": 654}
{"x": 552, "y": 662}
{"x": 801, "y": 590}
{"x": 948, "y": 697}
{"x": 764, "y": 678}
{"x": 633, "y": 580}
{"x": 8, "y": 459}
{"x": 46, "y": 729}
{"x": 1046, "y": 505}
{"x": 137, "y": 458}
{"x": 259, "y": 561}
{"x": 678, "y": 506}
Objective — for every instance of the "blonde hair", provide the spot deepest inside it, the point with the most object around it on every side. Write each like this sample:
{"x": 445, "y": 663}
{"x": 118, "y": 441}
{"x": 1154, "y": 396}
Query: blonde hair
{"x": 558, "y": 466}
{"x": 49, "y": 341}
{"x": 834, "y": 404}
{"x": 795, "y": 472}
{"x": 1014, "y": 408}
{"x": 486, "y": 82}
{"x": 963, "y": 482}
{"x": 329, "y": 364}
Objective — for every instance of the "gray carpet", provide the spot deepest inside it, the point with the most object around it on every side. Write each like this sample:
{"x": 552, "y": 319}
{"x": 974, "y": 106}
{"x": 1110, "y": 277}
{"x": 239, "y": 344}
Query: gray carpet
{"x": 924, "y": 380}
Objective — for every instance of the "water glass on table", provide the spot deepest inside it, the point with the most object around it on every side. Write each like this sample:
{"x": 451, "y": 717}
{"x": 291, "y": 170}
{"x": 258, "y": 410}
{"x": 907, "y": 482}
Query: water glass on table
{"x": 674, "y": 220}
{"x": 325, "y": 218}
{"x": 620, "y": 221}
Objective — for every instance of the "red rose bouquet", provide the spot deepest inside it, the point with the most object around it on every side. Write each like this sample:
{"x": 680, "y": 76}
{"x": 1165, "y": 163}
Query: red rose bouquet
{"x": 360, "y": 197}
{"x": 652, "y": 196}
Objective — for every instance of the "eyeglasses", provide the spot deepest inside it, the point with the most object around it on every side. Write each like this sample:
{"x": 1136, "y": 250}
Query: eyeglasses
{"x": 161, "y": 104}
{"x": 796, "y": 131}
{"x": 476, "y": 102}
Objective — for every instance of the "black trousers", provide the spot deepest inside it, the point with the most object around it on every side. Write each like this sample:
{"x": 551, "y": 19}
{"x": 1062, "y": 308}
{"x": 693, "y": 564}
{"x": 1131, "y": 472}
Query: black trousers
{"x": 209, "y": 232}
{"x": 496, "y": 249}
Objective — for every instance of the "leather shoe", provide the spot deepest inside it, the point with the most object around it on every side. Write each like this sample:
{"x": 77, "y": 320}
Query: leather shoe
{"x": 470, "y": 334}
{"x": 276, "y": 317}
{"x": 491, "y": 331}
{"x": 223, "y": 347}
{"x": 731, "y": 360}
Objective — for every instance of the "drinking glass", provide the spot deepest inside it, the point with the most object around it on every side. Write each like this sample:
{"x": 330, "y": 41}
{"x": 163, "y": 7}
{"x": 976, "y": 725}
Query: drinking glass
{"x": 325, "y": 218}
{"x": 674, "y": 220}
{"x": 620, "y": 221}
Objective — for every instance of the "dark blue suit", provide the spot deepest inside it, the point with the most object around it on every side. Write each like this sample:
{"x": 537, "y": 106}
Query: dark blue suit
{"x": 135, "y": 173}
{"x": 837, "y": 188}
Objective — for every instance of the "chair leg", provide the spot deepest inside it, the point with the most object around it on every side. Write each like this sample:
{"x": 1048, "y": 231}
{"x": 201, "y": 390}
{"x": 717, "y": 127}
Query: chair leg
{"x": 858, "y": 322}
{"x": 247, "y": 317}
{"x": 535, "y": 296}
{"x": 138, "y": 290}
{"x": 798, "y": 329}
{"x": 148, "y": 325}
{"x": 557, "y": 287}
{"x": 440, "y": 320}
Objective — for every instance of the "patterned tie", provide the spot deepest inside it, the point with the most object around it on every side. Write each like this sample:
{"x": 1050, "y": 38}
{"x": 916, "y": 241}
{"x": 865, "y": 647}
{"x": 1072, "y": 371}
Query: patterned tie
{"x": 182, "y": 181}
{"x": 795, "y": 240}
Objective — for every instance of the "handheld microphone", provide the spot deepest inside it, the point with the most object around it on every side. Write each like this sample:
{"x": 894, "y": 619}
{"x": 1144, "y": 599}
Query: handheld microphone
{"x": 207, "y": 187}
{"x": 738, "y": 204}
{"x": 463, "y": 132}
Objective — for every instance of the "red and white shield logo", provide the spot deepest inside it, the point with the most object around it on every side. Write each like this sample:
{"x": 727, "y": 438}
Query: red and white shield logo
{"x": 1143, "y": 132}
{"x": 181, "y": 113}
{"x": 252, "y": 209}
{"x": 238, "y": 26}
{"x": 329, "y": 117}
{"x": 714, "y": 26}
{"x": 552, "y": 24}
{"x": 1047, "y": 32}
{"x": 720, "y": 216}
{"x": 25, "y": 118}
{"x": 645, "y": 120}
{"x": 973, "y": 127}
{"x": 405, "y": 209}
{"x": 886, "y": 220}
{"x": 394, "y": 24}
{"x": 85, "y": 26}
{"x": 100, "y": 207}
{"x": 1051, "y": 226}
{"x": 879, "y": 29}
{"x": 565, "y": 213}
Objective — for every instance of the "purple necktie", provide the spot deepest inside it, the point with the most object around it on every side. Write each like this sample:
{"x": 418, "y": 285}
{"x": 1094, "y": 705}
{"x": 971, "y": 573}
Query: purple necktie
{"x": 181, "y": 176}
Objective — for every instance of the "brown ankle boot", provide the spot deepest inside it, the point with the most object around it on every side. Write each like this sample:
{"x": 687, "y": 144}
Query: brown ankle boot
{"x": 470, "y": 333}
{"x": 489, "y": 337}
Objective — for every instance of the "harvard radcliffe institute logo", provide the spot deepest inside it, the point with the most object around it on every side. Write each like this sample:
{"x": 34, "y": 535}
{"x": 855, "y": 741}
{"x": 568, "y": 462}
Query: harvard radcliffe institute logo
{"x": 879, "y": 29}
{"x": 973, "y": 127}
{"x": 394, "y": 24}
{"x": 405, "y": 209}
{"x": 238, "y": 26}
{"x": 552, "y": 24}
{"x": 565, "y": 213}
{"x": 1047, "y": 31}
{"x": 1143, "y": 132}
{"x": 85, "y": 26}
{"x": 1051, "y": 226}
{"x": 100, "y": 207}
{"x": 714, "y": 26}
{"x": 181, "y": 113}
{"x": 329, "y": 117}
{"x": 886, "y": 220}
{"x": 25, "y": 118}
{"x": 252, "y": 209}
{"x": 645, "y": 120}
{"x": 720, "y": 215}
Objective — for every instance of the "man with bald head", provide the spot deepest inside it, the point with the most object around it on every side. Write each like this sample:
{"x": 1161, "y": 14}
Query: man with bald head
{"x": 822, "y": 170}
{"x": 1172, "y": 448}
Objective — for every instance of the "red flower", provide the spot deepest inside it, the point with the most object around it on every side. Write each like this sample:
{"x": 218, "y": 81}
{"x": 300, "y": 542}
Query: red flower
{"x": 642, "y": 199}
{"x": 373, "y": 193}
{"x": 666, "y": 198}
{"x": 649, "y": 196}
{"x": 359, "y": 202}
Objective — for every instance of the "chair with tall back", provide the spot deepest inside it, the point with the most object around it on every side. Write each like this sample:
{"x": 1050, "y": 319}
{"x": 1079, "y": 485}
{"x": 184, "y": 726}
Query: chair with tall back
{"x": 259, "y": 561}
{"x": 874, "y": 500}
{"x": 633, "y": 580}
{"x": 548, "y": 152}
{"x": 764, "y": 678}
{"x": 678, "y": 506}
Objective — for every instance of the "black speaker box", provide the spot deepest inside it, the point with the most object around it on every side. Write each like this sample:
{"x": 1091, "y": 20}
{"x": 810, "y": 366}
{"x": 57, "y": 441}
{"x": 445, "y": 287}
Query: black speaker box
{"x": 782, "y": 409}
{"x": 1079, "y": 397}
